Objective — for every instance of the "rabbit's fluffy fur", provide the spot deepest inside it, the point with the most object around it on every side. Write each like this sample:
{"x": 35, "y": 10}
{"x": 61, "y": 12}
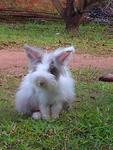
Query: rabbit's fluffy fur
{"x": 48, "y": 86}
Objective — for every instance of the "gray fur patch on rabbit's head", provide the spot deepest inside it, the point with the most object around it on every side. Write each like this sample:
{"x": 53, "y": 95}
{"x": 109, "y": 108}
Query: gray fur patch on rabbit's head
{"x": 47, "y": 66}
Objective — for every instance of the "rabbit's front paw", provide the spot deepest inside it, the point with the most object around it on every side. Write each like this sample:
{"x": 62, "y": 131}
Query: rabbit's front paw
{"x": 45, "y": 117}
{"x": 55, "y": 110}
{"x": 45, "y": 111}
{"x": 36, "y": 115}
{"x": 54, "y": 116}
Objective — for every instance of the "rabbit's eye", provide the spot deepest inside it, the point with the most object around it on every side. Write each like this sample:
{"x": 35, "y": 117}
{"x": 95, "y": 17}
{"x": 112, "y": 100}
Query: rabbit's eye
{"x": 53, "y": 70}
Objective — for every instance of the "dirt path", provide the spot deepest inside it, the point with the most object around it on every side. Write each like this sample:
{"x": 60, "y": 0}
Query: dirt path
{"x": 13, "y": 61}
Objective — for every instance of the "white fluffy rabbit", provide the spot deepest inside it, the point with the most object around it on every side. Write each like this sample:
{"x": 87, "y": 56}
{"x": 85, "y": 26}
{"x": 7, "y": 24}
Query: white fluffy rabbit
{"x": 48, "y": 86}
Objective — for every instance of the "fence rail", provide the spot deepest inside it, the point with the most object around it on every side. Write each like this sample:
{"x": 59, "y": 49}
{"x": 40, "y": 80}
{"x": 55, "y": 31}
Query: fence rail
{"x": 30, "y": 10}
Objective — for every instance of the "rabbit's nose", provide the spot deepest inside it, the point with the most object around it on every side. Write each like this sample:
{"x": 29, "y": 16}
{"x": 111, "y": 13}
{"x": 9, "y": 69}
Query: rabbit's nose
{"x": 42, "y": 82}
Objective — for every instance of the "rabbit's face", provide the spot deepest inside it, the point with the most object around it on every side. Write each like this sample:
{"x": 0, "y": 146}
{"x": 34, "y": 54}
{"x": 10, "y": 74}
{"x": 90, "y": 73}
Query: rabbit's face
{"x": 46, "y": 73}
{"x": 46, "y": 68}
{"x": 50, "y": 65}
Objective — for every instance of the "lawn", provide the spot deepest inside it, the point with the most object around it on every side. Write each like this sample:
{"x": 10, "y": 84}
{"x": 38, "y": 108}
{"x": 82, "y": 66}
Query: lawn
{"x": 93, "y": 39}
{"x": 89, "y": 125}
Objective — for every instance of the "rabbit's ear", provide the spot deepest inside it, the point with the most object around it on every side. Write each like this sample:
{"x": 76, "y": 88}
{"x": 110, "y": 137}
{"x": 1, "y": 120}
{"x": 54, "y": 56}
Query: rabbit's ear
{"x": 34, "y": 54}
{"x": 63, "y": 56}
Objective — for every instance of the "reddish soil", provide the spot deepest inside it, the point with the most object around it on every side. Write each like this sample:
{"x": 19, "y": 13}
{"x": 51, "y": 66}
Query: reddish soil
{"x": 13, "y": 61}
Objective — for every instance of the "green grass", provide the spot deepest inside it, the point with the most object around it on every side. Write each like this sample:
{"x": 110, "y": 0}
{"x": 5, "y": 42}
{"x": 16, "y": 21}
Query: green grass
{"x": 88, "y": 126}
{"x": 93, "y": 38}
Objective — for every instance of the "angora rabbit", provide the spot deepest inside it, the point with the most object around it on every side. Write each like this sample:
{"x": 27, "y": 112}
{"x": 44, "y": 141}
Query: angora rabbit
{"x": 48, "y": 86}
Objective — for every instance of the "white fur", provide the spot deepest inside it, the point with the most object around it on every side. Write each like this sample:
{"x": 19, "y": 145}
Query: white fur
{"x": 49, "y": 100}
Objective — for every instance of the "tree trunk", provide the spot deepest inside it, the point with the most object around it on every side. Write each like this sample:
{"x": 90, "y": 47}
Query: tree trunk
{"x": 71, "y": 16}
{"x": 73, "y": 12}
